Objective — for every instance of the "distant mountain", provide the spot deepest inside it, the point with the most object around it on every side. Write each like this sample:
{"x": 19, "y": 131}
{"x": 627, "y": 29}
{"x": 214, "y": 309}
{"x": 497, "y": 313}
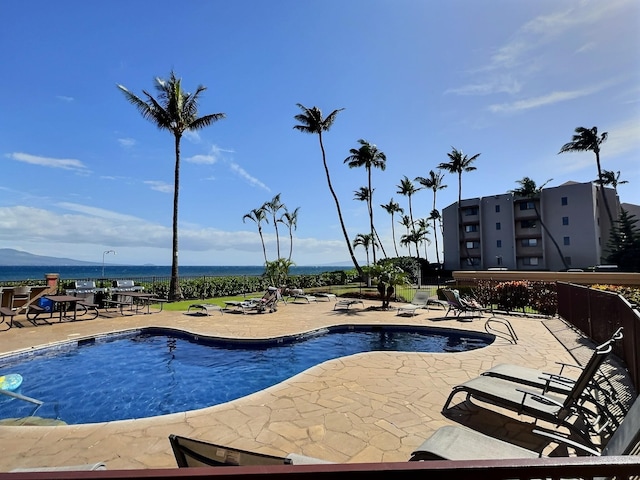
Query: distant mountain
{"x": 17, "y": 258}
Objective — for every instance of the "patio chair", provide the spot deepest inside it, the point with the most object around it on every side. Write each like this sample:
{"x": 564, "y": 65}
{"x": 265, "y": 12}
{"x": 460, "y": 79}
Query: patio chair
{"x": 421, "y": 299}
{"x": 460, "y": 305}
{"x": 298, "y": 294}
{"x": 347, "y": 303}
{"x": 535, "y": 403}
{"x": 550, "y": 382}
{"x": 460, "y": 443}
{"x": 196, "y": 453}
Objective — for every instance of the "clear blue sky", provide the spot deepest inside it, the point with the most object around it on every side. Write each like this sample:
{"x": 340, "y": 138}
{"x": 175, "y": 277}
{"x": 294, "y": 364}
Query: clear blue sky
{"x": 82, "y": 172}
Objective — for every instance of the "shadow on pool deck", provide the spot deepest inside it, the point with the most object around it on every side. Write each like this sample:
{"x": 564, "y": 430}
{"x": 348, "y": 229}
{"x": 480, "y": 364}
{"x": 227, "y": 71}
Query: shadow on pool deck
{"x": 369, "y": 407}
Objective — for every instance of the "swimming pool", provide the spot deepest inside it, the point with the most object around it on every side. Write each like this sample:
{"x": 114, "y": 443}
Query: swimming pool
{"x": 153, "y": 371}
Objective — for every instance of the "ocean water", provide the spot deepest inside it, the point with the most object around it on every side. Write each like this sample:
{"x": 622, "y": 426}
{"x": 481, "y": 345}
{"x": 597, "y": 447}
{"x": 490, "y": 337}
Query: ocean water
{"x": 75, "y": 272}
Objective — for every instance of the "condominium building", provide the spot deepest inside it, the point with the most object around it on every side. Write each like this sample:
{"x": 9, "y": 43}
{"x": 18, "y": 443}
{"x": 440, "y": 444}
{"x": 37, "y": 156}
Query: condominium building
{"x": 505, "y": 231}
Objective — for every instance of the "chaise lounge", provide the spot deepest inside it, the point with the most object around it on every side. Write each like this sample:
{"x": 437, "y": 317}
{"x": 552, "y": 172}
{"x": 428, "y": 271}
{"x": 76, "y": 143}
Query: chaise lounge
{"x": 537, "y": 404}
{"x": 460, "y": 443}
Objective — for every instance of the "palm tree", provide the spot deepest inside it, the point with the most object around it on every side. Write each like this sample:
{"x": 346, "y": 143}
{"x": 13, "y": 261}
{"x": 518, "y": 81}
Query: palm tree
{"x": 363, "y": 194}
{"x": 290, "y": 219}
{"x": 459, "y": 163}
{"x": 311, "y": 121}
{"x": 609, "y": 177}
{"x": 367, "y": 156}
{"x": 434, "y": 182}
{"x": 258, "y": 215}
{"x": 273, "y": 207}
{"x": 528, "y": 189}
{"x": 423, "y": 234}
{"x": 405, "y": 221}
{"x": 407, "y": 188}
{"x": 392, "y": 208}
{"x": 176, "y": 111}
{"x": 367, "y": 240}
{"x": 585, "y": 140}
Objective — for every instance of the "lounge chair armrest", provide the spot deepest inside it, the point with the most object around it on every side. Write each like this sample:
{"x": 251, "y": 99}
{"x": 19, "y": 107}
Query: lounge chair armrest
{"x": 552, "y": 377}
{"x": 567, "y": 441}
{"x": 537, "y": 396}
{"x": 572, "y": 365}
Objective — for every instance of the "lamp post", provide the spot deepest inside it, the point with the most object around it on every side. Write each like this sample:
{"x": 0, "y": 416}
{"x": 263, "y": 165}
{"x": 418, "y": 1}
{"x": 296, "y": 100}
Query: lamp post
{"x": 103, "y": 254}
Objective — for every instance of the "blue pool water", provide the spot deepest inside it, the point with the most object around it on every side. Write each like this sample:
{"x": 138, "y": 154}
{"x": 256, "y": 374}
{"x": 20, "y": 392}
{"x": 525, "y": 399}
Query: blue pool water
{"x": 156, "y": 372}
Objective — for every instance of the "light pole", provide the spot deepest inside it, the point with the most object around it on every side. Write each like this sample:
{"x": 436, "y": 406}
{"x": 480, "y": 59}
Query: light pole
{"x": 103, "y": 254}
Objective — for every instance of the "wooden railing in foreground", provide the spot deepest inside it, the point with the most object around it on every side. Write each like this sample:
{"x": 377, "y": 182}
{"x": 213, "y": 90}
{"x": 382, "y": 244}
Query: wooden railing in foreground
{"x": 553, "y": 468}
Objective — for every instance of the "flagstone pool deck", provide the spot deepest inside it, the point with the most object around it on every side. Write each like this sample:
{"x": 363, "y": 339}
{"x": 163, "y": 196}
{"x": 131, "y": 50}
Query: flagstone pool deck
{"x": 369, "y": 407}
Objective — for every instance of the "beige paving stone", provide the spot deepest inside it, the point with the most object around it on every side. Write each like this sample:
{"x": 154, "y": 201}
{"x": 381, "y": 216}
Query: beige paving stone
{"x": 365, "y": 407}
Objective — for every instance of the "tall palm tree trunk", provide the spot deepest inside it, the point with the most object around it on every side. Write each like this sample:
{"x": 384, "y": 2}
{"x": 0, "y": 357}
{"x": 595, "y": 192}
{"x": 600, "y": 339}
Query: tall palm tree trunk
{"x": 393, "y": 236}
{"x": 175, "y": 293}
{"x": 602, "y": 191}
{"x": 553, "y": 240}
{"x": 335, "y": 199}
{"x": 264, "y": 248}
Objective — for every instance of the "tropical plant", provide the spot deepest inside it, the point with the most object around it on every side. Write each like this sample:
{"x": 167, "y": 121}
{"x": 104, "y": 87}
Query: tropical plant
{"x": 367, "y": 156}
{"x": 609, "y": 177}
{"x": 392, "y": 208}
{"x": 273, "y": 207}
{"x": 363, "y": 195}
{"x": 458, "y": 164}
{"x": 434, "y": 182}
{"x": 290, "y": 220}
{"x": 367, "y": 241}
{"x": 529, "y": 189}
{"x": 406, "y": 222}
{"x": 258, "y": 215}
{"x": 585, "y": 140}
{"x": 278, "y": 271}
{"x": 387, "y": 277}
{"x": 174, "y": 110}
{"x": 423, "y": 234}
{"x": 624, "y": 243}
{"x": 311, "y": 121}
{"x": 408, "y": 189}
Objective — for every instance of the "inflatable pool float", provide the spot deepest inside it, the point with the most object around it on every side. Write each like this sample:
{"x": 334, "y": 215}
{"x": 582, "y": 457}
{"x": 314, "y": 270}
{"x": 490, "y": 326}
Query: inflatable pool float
{"x": 10, "y": 382}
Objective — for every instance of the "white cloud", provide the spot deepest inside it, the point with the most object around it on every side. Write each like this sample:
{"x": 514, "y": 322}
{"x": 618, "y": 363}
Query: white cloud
{"x": 201, "y": 159}
{"x": 86, "y": 233}
{"x": 547, "y": 99}
{"x": 63, "y": 163}
{"x": 64, "y": 98}
{"x": 245, "y": 175}
{"x": 159, "y": 186}
{"x": 126, "y": 142}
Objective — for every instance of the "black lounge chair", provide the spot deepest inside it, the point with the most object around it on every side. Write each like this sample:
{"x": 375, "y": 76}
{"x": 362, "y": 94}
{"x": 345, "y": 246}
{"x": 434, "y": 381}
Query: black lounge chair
{"x": 196, "y": 453}
{"x": 535, "y": 403}
{"x": 460, "y": 443}
{"x": 550, "y": 382}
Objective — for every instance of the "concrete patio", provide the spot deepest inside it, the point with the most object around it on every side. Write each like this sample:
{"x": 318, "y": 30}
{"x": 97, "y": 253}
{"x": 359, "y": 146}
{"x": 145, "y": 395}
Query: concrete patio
{"x": 369, "y": 407}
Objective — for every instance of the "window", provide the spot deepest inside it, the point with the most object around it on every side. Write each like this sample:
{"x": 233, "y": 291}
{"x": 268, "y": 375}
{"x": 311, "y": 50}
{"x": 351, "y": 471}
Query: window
{"x": 499, "y": 243}
{"x": 565, "y": 220}
{"x": 474, "y": 244}
{"x": 471, "y": 211}
{"x": 497, "y": 208}
{"x": 533, "y": 261}
{"x": 473, "y": 261}
{"x": 568, "y": 260}
{"x": 498, "y": 226}
{"x": 528, "y": 224}
{"x": 470, "y": 228}
{"x": 529, "y": 242}
{"x": 564, "y": 201}
{"x": 567, "y": 240}
{"x": 526, "y": 206}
